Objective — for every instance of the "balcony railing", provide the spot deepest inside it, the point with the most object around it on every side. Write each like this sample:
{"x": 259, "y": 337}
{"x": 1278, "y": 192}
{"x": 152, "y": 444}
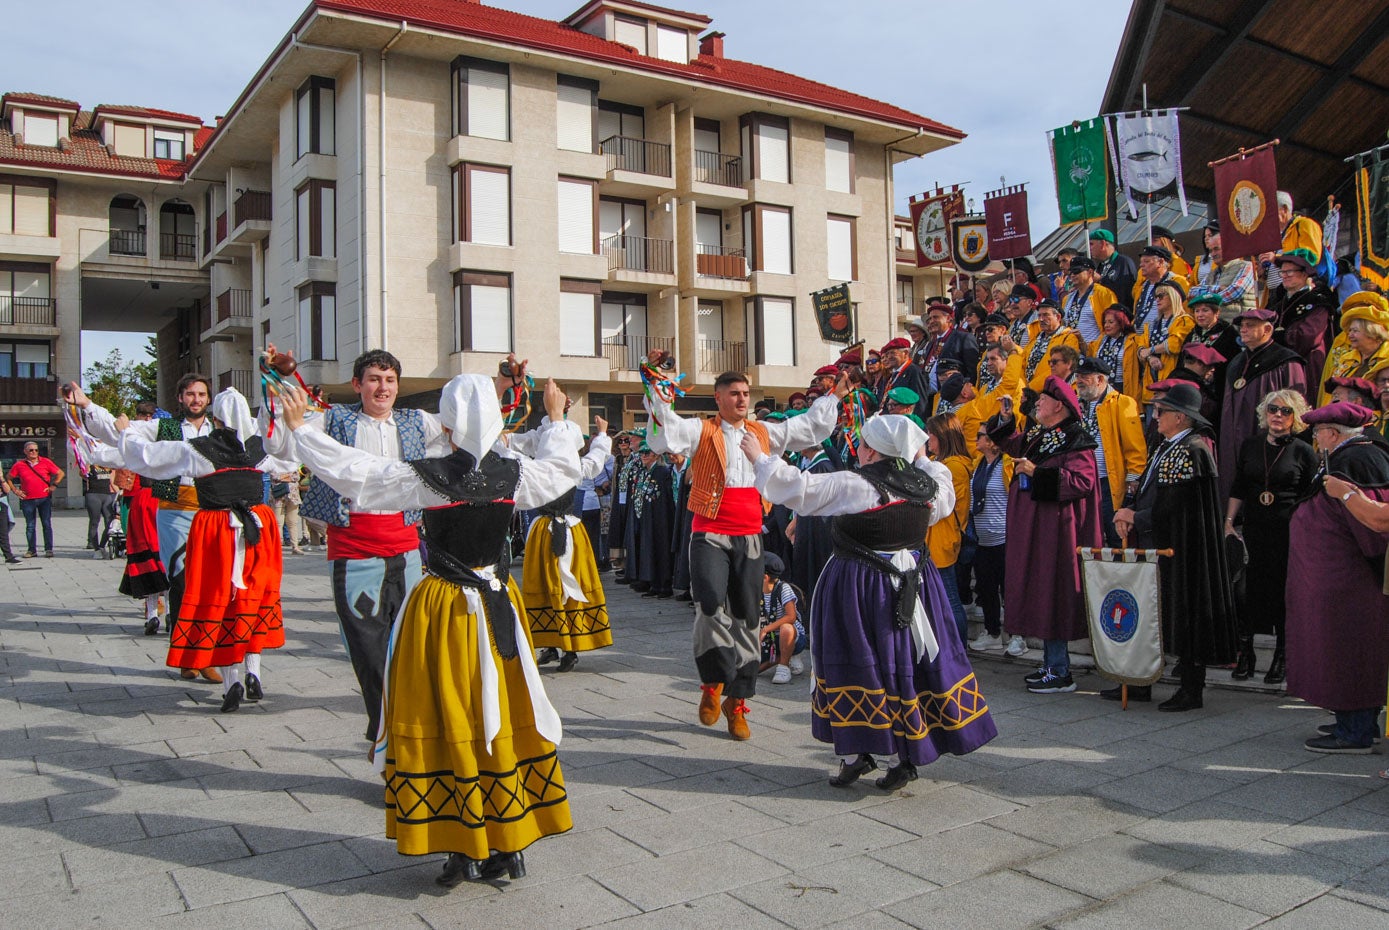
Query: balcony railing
{"x": 28, "y": 311}
{"x": 126, "y": 242}
{"x": 626, "y": 353}
{"x": 234, "y": 302}
{"x": 222, "y": 226}
{"x": 717, "y": 356}
{"x": 637, "y": 253}
{"x": 181, "y": 247}
{"x": 251, "y": 205}
{"x": 717, "y": 168}
{"x": 239, "y": 378}
{"x": 29, "y": 390}
{"x": 715, "y": 261}
{"x": 640, "y": 155}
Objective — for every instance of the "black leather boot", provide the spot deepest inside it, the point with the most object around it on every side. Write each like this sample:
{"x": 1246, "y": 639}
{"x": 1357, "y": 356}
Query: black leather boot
{"x": 458, "y": 869}
{"x": 1244, "y": 663}
{"x": 513, "y": 865}
{"x": 1278, "y": 668}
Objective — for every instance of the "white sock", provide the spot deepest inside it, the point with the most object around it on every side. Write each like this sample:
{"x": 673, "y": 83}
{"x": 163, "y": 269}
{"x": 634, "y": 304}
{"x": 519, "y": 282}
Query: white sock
{"x": 231, "y": 675}
{"x": 253, "y": 663}
{"x": 151, "y": 606}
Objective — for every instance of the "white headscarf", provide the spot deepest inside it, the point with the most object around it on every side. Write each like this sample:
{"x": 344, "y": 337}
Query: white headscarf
{"x": 468, "y": 406}
{"x": 893, "y": 435}
{"x": 231, "y": 409}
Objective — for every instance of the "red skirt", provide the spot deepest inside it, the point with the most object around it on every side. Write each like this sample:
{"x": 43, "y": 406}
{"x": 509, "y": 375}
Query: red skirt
{"x": 144, "y": 573}
{"x": 217, "y": 622}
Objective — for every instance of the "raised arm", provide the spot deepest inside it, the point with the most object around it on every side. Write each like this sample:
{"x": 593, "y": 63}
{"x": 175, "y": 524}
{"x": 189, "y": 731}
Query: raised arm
{"x": 809, "y": 494}
{"x": 667, "y": 431}
{"x": 161, "y": 460}
{"x": 102, "y": 426}
{"x": 553, "y": 468}
{"x": 594, "y": 461}
{"x": 807, "y": 430}
{"x": 369, "y": 481}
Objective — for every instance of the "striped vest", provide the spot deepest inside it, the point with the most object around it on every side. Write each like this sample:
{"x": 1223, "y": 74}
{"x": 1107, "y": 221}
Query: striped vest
{"x": 323, "y": 503}
{"x": 709, "y": 466}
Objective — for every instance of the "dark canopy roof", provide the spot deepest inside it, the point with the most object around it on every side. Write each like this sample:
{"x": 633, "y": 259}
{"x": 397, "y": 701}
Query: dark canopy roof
{"x": 1313, "y": 73}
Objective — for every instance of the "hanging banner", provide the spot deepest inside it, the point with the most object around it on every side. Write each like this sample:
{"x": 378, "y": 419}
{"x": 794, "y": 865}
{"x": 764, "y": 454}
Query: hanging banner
{"x": 834, "y": 314}
{"x": 969, "y": 242}
{"x": 931, "y": 216}
{"x": 1005, "y": 212}
{"x": 1246, "y": 199}
{"x": 1123, "y": 606}
{"x": 1082, "y": 172}
{"x": 1372, "y": 217}
{"x": 1148, "y": 150}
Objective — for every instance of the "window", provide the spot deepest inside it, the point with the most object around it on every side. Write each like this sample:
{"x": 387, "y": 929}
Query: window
{"x": 622, "y": 121}
{"x": 318, "y": 321}
{"x": 315, "y": 118}
{"x": 315, "y": 220}
{"x": 576, "y": 112}
{"x": 771, "y": 323}
{"x": 578, "y": 317}
{"x": 624, "y": 328}
{"x": 25, "y": 208}
{"x": 168, "y": 144}
{"x": 901, "y": 238}
{"x": 578, "y": 221}
{"x": 24, "y": 360}
{"x": 25, "y": 294}
{"x": 709, "y": 321}
{"x": 482, "y": 204}
{"x": 630, "y": 31}
{"x": 40, "y": 130}
{"x": 481, "y": 99}
{"x": 672, "y": 44}
{"x": 906, "y": 292}
{"x": 839, "y": 160}
{"x": 767, "y": 146}
{"x": 842, "y": 260}
{"x": 129, "y": 139}
{"x": 767, "y": 235}
{"x": 481, "y": 312}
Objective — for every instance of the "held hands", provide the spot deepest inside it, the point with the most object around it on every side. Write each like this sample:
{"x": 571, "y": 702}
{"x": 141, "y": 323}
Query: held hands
{"x": 752, "y": 448}
{"x": 122, "y": 423}
{"x": 555, "y": 401}
{"x": 293, "y": 404}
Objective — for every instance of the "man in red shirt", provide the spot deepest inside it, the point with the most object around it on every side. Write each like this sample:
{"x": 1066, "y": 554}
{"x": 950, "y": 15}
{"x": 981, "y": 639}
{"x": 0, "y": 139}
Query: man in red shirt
{"x": 34, "y": 478}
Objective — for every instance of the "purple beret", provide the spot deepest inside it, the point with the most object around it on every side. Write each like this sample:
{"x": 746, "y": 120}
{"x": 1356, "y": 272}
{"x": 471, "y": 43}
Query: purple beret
{"x": 1339, "y": 414}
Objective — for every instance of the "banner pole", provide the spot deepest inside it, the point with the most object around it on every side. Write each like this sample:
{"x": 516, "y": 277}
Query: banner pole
{"x": 1124, "y": 694}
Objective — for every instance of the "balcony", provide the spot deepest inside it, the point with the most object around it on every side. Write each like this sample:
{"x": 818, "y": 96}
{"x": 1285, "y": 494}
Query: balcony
{"x": 636, "y": 167}
{"x": 715, "y": 356}
{"x": 241, "y": 379}
{"x": 221, "y": 227}
{"x": 626, "y": 353}
{"x": 179, "y": 247}
{"x": 717, "y": 179}
{"x": 251, "y": 216}
{"x": 647, "y": 264}
{"x": 126, "y": 242}
{"x": 28, "y": 311}
{"x": 718, "y": 272}
{"x": 29, "y": 390}
{"x": 231, "y": 313}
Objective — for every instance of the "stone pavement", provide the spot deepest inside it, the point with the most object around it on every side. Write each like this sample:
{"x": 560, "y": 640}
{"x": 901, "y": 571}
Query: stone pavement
{"x": 126, "y": 799}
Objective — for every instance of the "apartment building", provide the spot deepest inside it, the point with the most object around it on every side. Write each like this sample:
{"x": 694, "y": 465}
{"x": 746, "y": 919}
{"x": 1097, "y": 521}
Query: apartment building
{"x": 455, "y": 182}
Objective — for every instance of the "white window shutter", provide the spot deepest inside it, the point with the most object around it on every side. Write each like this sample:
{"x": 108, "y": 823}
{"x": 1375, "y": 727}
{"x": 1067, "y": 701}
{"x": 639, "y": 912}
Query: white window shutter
{"x": 487, "y": 103}
{"x": 491, "y": 318}
{"x": 839, "y": 234}
{"x": 30, "y": 211}
{"x": 574, "y": 111}
{"x": 489, "y": 204}
{"x": 773, "y": 153}
{"x": 778, "y": 331}
{"x": 672, "y": 44}
{"x": 631, "y": 33}
{"x": 576, "y": 217}
{"x": 776, "y": 241}
{"x": 41, "y": 130}
{"x": 576, "y": 324}
{"x": 709, "y": 322}
{"x": 328, "y": 316}
{"x": 327, "y": 120}
{"x": 837, "y": 164}
{"x": 303, "y": 221}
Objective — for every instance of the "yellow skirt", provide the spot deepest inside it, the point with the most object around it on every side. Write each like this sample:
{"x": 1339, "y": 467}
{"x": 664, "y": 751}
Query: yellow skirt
{"x": 444, "y": 791}
{"x": 555, "y": 620}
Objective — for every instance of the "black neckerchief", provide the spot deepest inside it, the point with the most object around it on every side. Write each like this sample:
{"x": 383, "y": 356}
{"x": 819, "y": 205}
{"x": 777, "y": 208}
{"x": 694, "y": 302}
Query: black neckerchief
{"x": 223, "y": 449}
{"x": 901, "y": 479}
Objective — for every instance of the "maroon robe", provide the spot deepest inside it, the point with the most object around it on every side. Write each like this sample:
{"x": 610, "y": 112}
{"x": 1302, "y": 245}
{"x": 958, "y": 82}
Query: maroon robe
{"x": 1338, "y": 615}
{"x": 1046, "y": 523}
{"x": 1271, "y": 367}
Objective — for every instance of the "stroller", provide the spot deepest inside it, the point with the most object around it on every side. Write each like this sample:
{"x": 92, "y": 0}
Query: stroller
{"x": 115, "y": 543}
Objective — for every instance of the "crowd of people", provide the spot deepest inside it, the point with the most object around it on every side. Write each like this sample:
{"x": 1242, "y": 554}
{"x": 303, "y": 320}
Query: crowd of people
{"x": 1227, "y": 415}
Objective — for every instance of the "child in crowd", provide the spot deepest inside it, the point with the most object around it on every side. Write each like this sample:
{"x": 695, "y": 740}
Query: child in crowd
{"x": 783, "y": 635}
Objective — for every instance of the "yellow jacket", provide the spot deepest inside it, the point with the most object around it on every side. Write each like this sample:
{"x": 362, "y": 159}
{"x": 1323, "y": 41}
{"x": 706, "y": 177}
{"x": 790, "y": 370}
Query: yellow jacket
{"x": 943, "y": 536}
{"x": 1132, "y": 367}
{"x": 1065, "y": 336}
{"x": 1182, "y": 325}
{"x": 1101, "y": 299}
{"x": 1303, "y": 233}
{"x": 1121, "y": 435}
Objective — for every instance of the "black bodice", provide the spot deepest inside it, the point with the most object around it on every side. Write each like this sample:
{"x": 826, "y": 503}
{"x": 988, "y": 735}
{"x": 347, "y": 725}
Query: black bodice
{"x": 234, "y": 489}
{"x": 899, "y": 525}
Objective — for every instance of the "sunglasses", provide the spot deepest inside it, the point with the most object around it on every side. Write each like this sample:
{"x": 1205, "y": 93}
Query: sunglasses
{"x": 1281, "y": 411}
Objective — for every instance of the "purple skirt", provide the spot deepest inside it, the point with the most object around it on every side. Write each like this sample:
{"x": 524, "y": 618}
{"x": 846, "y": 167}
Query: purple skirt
{"x": 871, "y": 695}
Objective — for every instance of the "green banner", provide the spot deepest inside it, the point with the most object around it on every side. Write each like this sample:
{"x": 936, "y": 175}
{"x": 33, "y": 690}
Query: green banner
{"x": 1082, "y": 172}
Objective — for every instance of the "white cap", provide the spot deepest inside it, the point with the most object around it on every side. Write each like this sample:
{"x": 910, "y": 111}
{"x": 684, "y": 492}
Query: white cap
{"x": 231, "y": 409}
{"x": 468, "y": 406}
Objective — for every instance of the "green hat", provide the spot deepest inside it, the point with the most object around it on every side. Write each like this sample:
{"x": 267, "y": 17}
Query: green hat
{"x": 1104, "y": 234}
{"x": 1207, "y": 298}
{"x": 905, "y": 396}
{"x": 644, "y": 448}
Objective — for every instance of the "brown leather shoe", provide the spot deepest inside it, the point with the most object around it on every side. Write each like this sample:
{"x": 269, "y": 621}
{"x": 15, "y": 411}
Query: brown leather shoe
{"x": 188, "y": 674}
{"x": 212, "y": 675}
{"x": 736, "y": 709}
{"x": 709, "y": 704}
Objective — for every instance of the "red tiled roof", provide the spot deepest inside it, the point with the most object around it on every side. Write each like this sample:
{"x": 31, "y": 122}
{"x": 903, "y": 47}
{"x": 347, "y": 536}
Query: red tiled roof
{"x": 474, "y": 19}
{"x": 42, "y": 100}
{"x": 650, "y": 6}
{"x": 106, "y": 109}
{"x": 83, "y": 151}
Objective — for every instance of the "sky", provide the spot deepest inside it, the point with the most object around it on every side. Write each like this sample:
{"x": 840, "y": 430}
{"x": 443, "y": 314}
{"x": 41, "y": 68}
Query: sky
{"x": 996, "y": 69}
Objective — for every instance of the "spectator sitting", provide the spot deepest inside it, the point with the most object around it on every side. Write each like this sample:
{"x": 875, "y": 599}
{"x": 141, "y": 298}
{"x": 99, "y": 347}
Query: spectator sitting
{"x": 783, "y": 634}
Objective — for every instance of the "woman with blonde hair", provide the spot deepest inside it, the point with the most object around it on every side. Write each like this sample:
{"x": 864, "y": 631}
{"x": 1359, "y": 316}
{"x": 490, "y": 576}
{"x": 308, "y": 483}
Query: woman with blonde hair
{"x": 945, "y": 442}
{"x": 1363, "y": 343}
{"x": 1273, "y": 473}
{"x": 1161, "y": 340}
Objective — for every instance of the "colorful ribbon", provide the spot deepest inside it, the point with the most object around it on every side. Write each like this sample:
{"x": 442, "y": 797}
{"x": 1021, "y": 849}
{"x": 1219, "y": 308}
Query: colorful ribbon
{"x": 272, "y": 385}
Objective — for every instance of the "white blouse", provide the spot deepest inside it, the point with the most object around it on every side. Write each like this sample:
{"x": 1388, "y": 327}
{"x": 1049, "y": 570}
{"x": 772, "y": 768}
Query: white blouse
{"x": 161, "y": 460}
{"x": 840, "y": 492}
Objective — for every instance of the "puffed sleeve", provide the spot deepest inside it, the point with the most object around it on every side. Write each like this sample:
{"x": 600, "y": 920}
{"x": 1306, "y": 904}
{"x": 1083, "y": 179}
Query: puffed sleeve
{"x": 596, "y": 459}
{"x": 369, "y": 481}
{"x": 812, "y": 495}
{"x": 807, "y": 430}
{"x": 162, "y": 460}
{"x": 552, "y": 469}
{"x": 102, "y": 426}
{"x": 668, "y": 431}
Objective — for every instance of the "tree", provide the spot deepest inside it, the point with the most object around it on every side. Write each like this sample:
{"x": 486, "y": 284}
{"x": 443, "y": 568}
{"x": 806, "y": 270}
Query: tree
{"x": 147, "y": 373}
{"x": 114, "y": 383}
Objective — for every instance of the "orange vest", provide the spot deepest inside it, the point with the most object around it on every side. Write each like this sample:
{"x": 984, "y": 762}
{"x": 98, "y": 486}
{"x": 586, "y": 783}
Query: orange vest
{"x": 709, "y": 467}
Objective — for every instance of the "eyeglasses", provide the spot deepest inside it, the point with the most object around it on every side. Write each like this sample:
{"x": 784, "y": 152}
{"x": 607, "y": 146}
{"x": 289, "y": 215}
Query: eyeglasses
{"x": 1056, "y": 361}
{"x": 1281, "y": 411}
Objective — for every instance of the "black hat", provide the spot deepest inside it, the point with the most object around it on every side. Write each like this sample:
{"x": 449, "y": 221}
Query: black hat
{"x": 1089, "y": 365}
{"x": 1162, "y": 232}
{"x": 1157, "y": 251}
{"x": 772, "y": 565}
{"x": 997, "y": 319}
{"x": 1083, "y": 263}
{"x": 1023, "y": 292}
{"x": 1023, "y": 264}
{"x": 1047, "y": 302}
{"x": 952, "y": 387}
{"x": 946, "y": 365}
{"x": 1183, "y": 397}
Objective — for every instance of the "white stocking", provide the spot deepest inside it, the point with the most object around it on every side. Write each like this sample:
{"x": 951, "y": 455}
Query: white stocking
{"x": 231, "y": 675}
{"x": 151, "y": 606}
{"x": 253, "y": 663}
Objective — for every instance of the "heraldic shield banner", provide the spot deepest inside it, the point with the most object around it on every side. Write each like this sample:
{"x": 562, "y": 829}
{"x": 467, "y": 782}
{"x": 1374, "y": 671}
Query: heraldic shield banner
{"x": 969, "y": 240}
{"x": 1123, "y": 606}
{"x": 931, "y": 218}
{"x": 1082, "y": 172}
{"x": 1246, "y": 192}
{"x": 1372, "y": 210}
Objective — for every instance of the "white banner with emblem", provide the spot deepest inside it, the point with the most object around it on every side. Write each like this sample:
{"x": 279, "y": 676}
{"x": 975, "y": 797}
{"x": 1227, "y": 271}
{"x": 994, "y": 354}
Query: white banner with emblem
{"x": 1123, "y": 603}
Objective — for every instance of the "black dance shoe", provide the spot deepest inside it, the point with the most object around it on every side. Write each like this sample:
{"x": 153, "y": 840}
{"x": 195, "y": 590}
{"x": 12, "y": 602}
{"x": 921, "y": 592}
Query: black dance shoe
{"x": 1136, "y": 693}
{"x": 232, "y": 699}
{"x": 1244, "y": 662}
{"x": 152, "y": 626}
{"x": 254, "y": 692}
{"x": 458, "y": 868}
{"x": 850, "y": 772}
{"x": 570, "y": 660}
{"x": 547, "y": 655}
{"x": 513, "y": 865}
{"x": 897, "y": 776}
{"x": 1277, "y": 669}
{"x": 1183, "y": 700}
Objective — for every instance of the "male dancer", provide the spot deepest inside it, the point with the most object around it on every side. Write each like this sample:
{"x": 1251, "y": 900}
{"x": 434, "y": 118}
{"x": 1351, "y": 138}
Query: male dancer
{"x": 375, "y": 554}
{"x": 726, "y": 543}
{"x": 178, "y": 501}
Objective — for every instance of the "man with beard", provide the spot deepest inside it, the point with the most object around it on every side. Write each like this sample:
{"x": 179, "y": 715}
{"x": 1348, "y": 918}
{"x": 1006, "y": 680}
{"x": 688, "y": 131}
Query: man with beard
{"x": 374, "y": 555}
{"x": 1261, "y": 366}
{"x": 177, "y": 497}
{"x": 1117, "y": 271}
{"x": 1304, "y": 307}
